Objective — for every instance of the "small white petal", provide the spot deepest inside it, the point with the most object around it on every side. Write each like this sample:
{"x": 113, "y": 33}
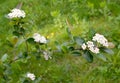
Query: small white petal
{"x": 92, "y": 47}
{"x": 83, "y": 46}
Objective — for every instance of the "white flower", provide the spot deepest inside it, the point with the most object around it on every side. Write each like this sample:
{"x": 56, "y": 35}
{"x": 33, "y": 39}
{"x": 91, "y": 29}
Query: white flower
{"x": 43, "y": 39}
{"x": 31, "y": 76}
{"x": 38, "y": 38}
{"x": 46, "y": 56}
{"x": 16, "y": 13}
{"x": 94, "y": 50}
{"x": 90, "y": 44}
{"x": 100, "y": 39}
{"x": 92, "y": 47}
{"x": 83, "y": 46}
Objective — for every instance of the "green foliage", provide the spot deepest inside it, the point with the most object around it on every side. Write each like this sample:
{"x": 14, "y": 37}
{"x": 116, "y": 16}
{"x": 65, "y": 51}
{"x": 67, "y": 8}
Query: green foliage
{"x": 47, "y": 17}
{"x": 4, "y": 57}
{"x": 79, "y": 41}
{"x": 107, "y": 50}
{"x": 30, "y": 40}
{"x": 101, "y": 56}
{"x": 88, "y": 56}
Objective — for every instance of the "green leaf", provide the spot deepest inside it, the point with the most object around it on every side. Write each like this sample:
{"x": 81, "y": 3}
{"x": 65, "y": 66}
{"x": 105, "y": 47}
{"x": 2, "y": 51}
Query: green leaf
{"x": 119, "y": 46}
{"x": 91, "y": 33}
{"x": 58, "y": 45}
{"x": 26, "y": 81}
{"x": 20, "y": 55}
{"x": 87, "y": 55}
{"x": 107, "y": 50}
{"x": 101, "y": 56}
{"x": 64, "y": 49}
{"x": 76, "y": 53}
{"x": 9, "y": 43}
{"x": 78, "y": 40}
{"x": 16, "y": 27}
{"x": 31, "y": 41}
{"x": 22, "y": 30}
{"x": 38, "y": 80}
{"x": 22, "y": 22}
{"x": 4, "y": 57}
{"x": 16, "y": 33}
{"x": 71, "y": 48}
{"x": 25, "y": 54}
{"x": 20, "y": 41}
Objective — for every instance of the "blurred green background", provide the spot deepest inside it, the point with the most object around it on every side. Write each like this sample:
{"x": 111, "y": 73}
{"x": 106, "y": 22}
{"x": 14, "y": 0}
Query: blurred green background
{"x": 48, "y": 17}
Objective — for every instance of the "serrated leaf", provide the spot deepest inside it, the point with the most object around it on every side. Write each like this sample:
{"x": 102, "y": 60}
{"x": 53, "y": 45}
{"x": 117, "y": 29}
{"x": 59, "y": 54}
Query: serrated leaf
{"x": 107, "y": 50}
{"x": 4, "y": 57}
{"x": 88, "y": 56}
{"x": 101, "y": 56}
{"x": 78, "y": 40}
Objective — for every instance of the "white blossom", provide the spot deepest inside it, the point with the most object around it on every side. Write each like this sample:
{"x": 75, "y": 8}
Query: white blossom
{"x": 31, "y": 76}
{"x": 83, "y": 46}
{"x": 90, "y": 44}
{"x": 16, "y": 13}
{"x": 92, "y": 47}
{"x": 46, "y": 55}
{"x": 94, "y": 50}
{"x": 38, "y": 38}
{"x": 100, "y": 39}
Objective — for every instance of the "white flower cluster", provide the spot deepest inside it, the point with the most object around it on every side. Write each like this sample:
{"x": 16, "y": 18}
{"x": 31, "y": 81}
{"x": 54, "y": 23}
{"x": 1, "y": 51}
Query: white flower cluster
{"x": 16, "y": 13}
{"x": 38, "y": 38}
{"x": 31, "y": 76}
{"x": 100, "y": 39}
{"x": 46, "y": 56}
{"x": 90, "y": 45}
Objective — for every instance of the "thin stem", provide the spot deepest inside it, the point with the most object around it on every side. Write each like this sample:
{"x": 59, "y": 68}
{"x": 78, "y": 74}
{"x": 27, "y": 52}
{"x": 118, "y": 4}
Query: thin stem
{"x": 14, "y": 60}
{"x": 26, "y": 44}
{"x": 78, "y": 49}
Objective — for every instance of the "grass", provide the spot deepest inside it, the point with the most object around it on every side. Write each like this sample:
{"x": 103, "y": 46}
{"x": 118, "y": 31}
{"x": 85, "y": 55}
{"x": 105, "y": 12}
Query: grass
{"x": 49, "y": 19}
